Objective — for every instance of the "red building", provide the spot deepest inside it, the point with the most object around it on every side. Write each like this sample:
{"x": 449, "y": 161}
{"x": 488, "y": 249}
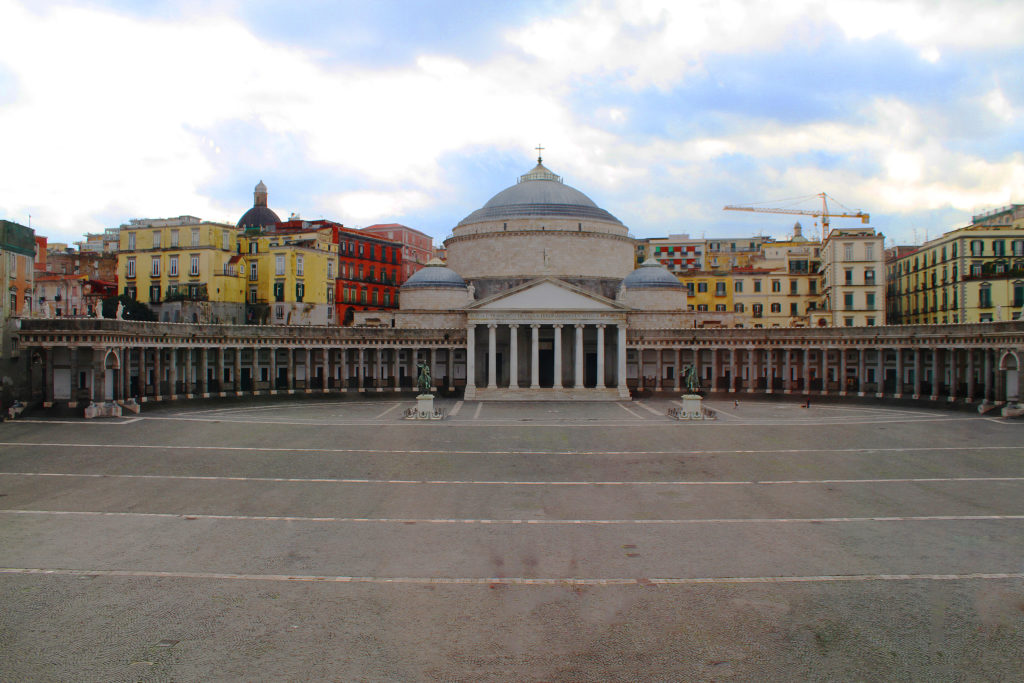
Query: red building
{"x": 369, "y": 271}
{"x": 417, "y": 247}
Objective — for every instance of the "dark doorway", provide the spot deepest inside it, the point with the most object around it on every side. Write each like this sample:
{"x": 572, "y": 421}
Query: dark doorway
{"x": 546, "y": 367}
{"x": 590, "y": 370}
{"x": 246, "y": 379}
{"x": 282, "y": 378}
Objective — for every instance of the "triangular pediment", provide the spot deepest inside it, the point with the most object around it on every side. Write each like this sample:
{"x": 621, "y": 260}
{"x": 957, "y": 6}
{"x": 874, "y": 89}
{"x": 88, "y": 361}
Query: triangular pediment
{"x": 546, "y": 294}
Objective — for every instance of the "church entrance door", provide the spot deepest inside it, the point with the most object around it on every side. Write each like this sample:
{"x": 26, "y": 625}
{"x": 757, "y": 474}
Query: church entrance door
{"x": 546, "y": 367}
{"x": 590, "y": 370}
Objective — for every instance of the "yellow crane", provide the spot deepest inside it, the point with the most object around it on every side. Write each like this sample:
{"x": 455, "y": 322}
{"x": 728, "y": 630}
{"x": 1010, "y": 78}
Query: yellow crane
{"x": 824, "y": 213}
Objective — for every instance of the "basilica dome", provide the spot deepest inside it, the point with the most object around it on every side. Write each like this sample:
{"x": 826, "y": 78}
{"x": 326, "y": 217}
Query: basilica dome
{"x": 540, "y": 227}
{"x": 539, "y": 193}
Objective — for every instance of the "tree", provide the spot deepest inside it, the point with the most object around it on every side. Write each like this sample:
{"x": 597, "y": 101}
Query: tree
{"x": 133, "y": 310}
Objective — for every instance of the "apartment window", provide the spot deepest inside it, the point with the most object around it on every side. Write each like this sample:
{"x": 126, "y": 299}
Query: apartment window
{"x": 794, "y": 308}
{"x": 720, "y": 308}
{"x": 848, "y": 322}
{"x": 738, "y": 286}
{"x": 776, "y": 308}
{"x": 387, "y": 298}
{"x": 252, "y": 270}
{"x": 985, "y": 296}
{"x": 954, "y": 272}
{"x": 758, "y": 310}
{"x": 195, "y": 237}
{"x": 278, "y": 291}
{"x": 360, "y": 271}
{"x": 130, "y": 266}
{"x": 374, "y": 295}
{"x": 298, "y": 265}
{"x": 849, "y": 276}
{"x": 794, "y": 287}
{"x": 156, "y": 239}
{"x": 871, "y": 322}
{"x": 869, "y": 252}
{"x": 361, "y": 252}
{"x": 253, "y": 295}
{"x": 1018, "y": 247}
{"x": 362, "y": 293}
{"x": 738, "y": 308}
{"x": 702, "y": 287}
{"x": 155, "y": 266}
{"x": 172, "y": 266}
{"x": 848, "y": 301}
{"x": 776, "y": 286}
{"x": 330, "y": 270}
{"x": 330, "y": 294}
{"x": 757, "y": 285}
{"x": 998, "y": 248}
{"x": 193, "y": 265}
{"x": 279, "y": 264}
{"x": 847, "y": 252}
{"x": 131, "y": 241}
{"x": 954, "y": 249}
{"x": 869, "y": 276}
{"x": 720, "y": 289}
{"x": 702, "y": 307}
{"x": 976, "y": 269}
{"x": 870, "y": 301}
{"x": 130, "y": 292}
{"x": 225, "y": 241}
{"x": 977, "y": 247}
{"x": 174, "y": 238}
{"x": 300, "y": 291}
{"x": 279, "y": 312}
{"x": 813, "y": 286}
{"x": 154, "y": 294}
{"x": 1018, "y": 294}
{"x": 689, "y": 289}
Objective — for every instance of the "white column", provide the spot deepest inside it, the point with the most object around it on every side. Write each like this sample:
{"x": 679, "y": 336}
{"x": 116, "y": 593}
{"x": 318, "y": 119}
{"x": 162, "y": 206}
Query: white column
{"x": 842, "y": 370}
{"x": 732, "y": 369}
{"x": 470, "y": 360}
{"x": 534, "y": 356}
{"x": 970, "y": 375}
{"x": 513, "y": 356}
{"x": 621, "y": 372}
{"x": 395, "y": 373}
{"x": 578, "y": 364}
{"x": 600, "y": 356}
{"x": 954, "y": 371}
{"x": 769, "y": 370}
{"x": 558, "y": 356}
{"x": 378, "y": 369}
{"x": 492, "y": 353}
{"x": 898, "y": 393}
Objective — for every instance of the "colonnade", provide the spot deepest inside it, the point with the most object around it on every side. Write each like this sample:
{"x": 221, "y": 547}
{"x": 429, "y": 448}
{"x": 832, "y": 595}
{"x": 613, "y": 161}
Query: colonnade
{"x": 936, "y": 373}
{"x": 105, "y": 373}
{"x": 532, "y": 355}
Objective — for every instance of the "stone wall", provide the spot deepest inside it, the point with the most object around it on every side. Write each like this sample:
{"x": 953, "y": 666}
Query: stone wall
{"x": 532, "y": 254}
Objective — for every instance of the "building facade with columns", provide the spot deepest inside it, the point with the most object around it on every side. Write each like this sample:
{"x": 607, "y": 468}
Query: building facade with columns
{"x": 540, "y": 299}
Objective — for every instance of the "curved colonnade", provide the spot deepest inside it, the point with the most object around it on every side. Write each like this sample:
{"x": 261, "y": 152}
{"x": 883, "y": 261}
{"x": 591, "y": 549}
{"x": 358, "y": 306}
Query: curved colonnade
{"x": 73, "y": 362}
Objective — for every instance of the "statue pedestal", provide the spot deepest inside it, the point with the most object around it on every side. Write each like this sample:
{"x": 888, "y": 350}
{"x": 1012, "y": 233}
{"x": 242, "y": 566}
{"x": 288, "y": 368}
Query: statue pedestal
{"x": 425, "y": 406}
{"x": 693, "y": 407}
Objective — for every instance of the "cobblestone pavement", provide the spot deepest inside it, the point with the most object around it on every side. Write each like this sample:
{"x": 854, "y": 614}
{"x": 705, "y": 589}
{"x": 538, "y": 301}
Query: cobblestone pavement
{"x": 297, "y": 539}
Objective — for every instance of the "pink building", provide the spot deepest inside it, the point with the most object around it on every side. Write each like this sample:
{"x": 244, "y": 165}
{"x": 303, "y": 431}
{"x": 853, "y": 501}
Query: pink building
{"x": 417, "y": 247}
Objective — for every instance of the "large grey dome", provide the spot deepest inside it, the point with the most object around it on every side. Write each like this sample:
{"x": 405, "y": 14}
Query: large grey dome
{"x": 651, "y": 275}
{"x": 434, "y": 275}
{"x": 539, "y": 193}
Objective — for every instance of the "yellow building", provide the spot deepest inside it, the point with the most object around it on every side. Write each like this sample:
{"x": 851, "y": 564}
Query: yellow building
{"x": 973, "y": 274}
{"x": 181, "y": 267}
{"x": 290, "y": 273}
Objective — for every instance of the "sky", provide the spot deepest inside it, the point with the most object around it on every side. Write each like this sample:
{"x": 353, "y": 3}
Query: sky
{"x": 417, "y": 112}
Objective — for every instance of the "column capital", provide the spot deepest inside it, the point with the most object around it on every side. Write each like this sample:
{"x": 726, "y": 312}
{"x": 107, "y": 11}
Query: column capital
{"x": 579, "y": 326}
{"x": 601, "y": 326}
{"x": 514, "y": 326}
{"x": 558, "y": 326}
{"x": 535, "y": 326}
{"x": 492, "y": 326}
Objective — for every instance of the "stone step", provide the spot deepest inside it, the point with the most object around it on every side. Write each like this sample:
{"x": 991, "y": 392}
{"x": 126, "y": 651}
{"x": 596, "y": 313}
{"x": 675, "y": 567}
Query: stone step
{"x": 525, "y": 394}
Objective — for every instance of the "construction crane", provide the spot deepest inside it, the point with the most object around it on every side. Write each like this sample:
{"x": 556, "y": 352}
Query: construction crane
{"x": 824, "y": 213}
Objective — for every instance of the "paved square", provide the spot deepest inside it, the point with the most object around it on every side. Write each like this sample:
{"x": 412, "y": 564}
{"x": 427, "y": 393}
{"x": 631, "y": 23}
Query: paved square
{"x": 328, "y": 539}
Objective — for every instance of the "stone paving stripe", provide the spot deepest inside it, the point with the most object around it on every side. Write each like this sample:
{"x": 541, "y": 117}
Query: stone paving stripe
{"x": 521, "y": 482}
{"x": 636, "y": 415}
{"x": 511, "y": 580}
{"x": 391, "y": 409}
{"x": 390, "y": 451}
{"x": 479, "y": 407}
{"x": 538, "y": 521}
{"x": 649, "y": 409}
{"x": 455, "y": 409}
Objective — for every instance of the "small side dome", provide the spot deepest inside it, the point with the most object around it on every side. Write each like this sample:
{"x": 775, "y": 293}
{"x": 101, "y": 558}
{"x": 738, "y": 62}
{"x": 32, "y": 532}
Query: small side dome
{"x": 434, "y": 275}
{"x": 651, "y": 275}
